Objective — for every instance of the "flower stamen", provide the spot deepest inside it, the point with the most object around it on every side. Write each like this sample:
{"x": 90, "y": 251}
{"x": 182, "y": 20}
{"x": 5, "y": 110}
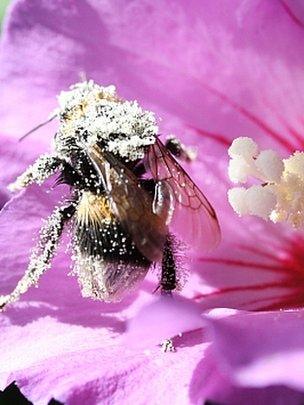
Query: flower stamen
{"x": 279, "y": 196}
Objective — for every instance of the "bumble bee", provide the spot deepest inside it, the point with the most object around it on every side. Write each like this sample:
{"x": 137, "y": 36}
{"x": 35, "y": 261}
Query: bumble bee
{"x": 130, "y": 200}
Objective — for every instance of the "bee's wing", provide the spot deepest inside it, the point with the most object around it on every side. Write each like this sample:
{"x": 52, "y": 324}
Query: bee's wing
{"x": 192, "y": 216}
{"x": 131, "y": 204}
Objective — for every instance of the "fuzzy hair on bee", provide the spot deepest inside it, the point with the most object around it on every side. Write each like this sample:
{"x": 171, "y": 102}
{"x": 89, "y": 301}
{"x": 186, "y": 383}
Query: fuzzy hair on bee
{"x": 131, "y": 203}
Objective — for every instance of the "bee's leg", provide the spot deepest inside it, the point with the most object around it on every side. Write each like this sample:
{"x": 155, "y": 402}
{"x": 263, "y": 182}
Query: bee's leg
{"x": 38, "y": 172}
{"x": 168, "y": 280}
{"x": 179, "y": 150}
{"x": 42, "y": 254}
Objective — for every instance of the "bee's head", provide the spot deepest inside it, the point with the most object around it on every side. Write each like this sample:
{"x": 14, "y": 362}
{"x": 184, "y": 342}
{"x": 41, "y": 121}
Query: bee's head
{"x": 95, "y": 114}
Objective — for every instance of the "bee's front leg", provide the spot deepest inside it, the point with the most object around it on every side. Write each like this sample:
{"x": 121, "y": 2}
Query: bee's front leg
{"x": 168, "y": 280}
{"x": 43, "y": 253}
{"x": 38, "y": 172}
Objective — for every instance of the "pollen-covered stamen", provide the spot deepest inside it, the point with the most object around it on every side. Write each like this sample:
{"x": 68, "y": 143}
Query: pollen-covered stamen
{"x": 256, "y": 200}
{"x": 243, "y": 146}
{"x": 270, "y": 166}
{"x": 280, "y": 196}
{"x": 242, "y": 152}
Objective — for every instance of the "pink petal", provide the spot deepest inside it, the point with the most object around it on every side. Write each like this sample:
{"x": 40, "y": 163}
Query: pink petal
{"x": 4, "y": 196}
{"x": 260, "y": 267}
{"x": 162, "y": 319}
{"x": 20, "y": 220}
{"x": 14, "y": 158}
{"x": 213, "y": 71}
{"x": 261, "y": 349}
{"x": 212, "y": 382}
{"x": 223, "y": 86}
{"x": 74, "y": 364}
{"x": 232, "y": 82}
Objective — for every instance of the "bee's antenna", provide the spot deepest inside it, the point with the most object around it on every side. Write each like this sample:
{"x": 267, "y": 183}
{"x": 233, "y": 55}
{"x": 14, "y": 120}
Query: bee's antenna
{"x": 37, "y": 127}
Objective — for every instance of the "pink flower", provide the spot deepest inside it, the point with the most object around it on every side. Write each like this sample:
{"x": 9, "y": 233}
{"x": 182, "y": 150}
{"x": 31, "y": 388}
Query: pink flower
{"x": 213, "y": 71}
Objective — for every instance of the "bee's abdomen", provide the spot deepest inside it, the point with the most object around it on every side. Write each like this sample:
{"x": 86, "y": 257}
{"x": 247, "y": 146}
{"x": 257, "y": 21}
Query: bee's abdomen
{"x": 100, "y": 235}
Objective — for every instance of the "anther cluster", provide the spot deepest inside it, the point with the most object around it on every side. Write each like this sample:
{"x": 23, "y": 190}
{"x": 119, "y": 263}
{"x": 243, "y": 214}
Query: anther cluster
{"x": 279, "y": 194}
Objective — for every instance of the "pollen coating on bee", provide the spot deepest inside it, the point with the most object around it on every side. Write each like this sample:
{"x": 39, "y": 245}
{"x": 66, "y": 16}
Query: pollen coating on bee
{"x": 96, "y": 113}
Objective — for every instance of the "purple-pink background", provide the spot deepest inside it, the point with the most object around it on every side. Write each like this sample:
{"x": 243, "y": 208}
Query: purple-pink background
{"x": 212, "y": 71}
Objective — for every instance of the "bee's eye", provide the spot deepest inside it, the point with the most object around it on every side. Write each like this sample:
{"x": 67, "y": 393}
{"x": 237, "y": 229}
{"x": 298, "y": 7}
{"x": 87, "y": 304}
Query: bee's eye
{"x": 64, "y": 115}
